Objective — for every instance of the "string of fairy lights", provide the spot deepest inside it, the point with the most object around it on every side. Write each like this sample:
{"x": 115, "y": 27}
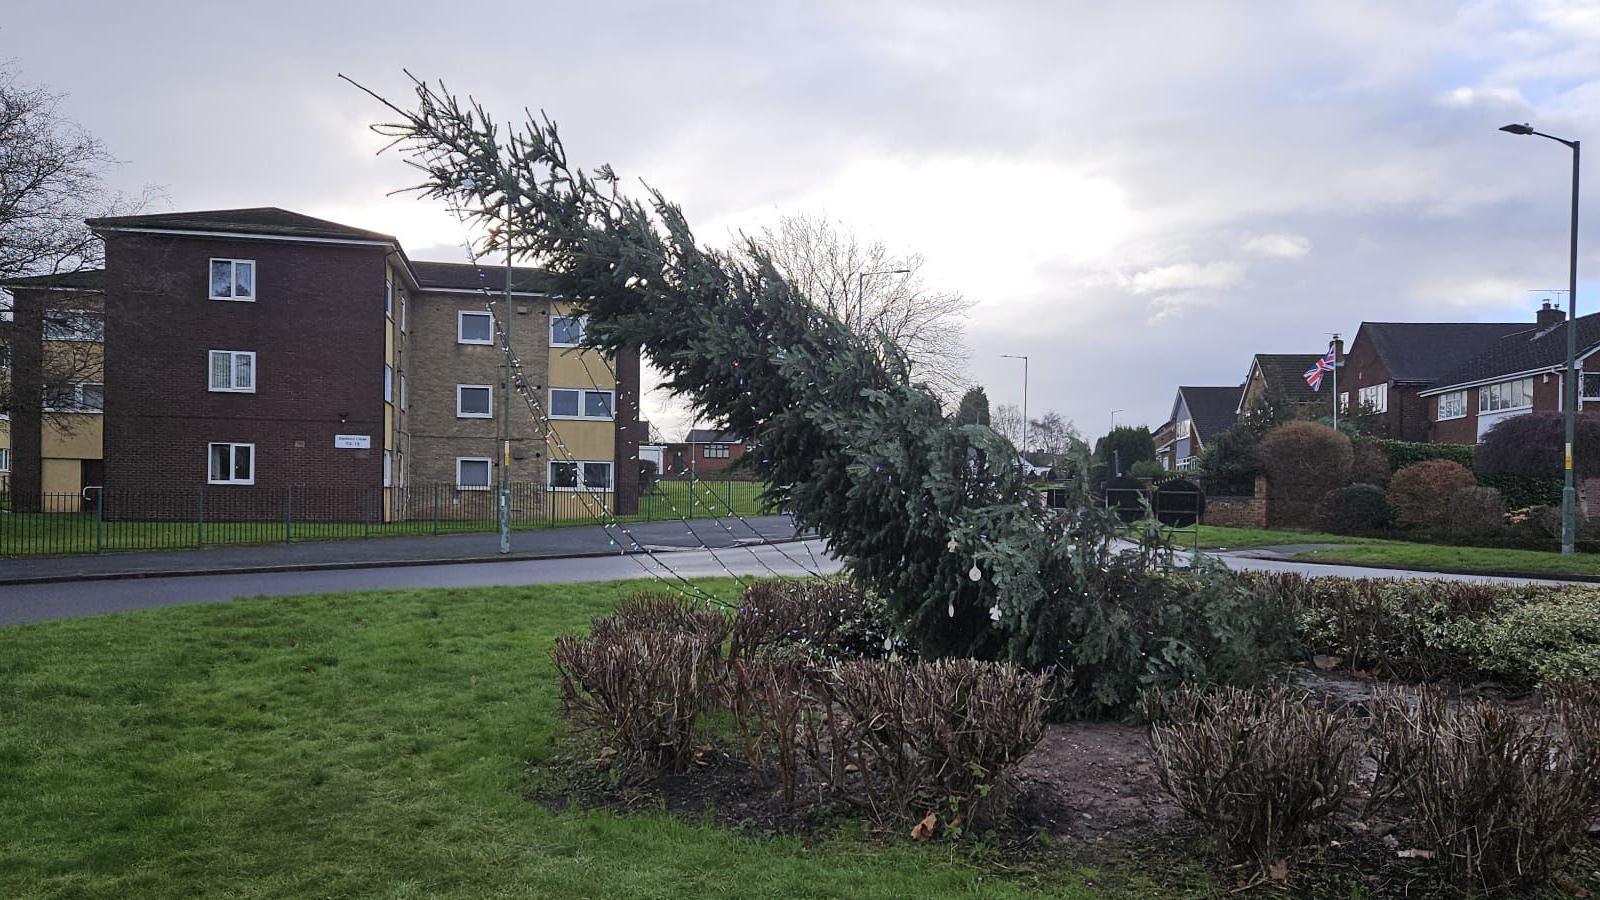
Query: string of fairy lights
{"x": 593, "y": 498}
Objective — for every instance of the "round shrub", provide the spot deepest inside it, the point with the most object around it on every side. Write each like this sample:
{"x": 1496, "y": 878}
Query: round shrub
{"x": 1303, "y": 461}
{"x": 1357, "y": 509}
{"x": 1418, "y": 493}
{"x": 1475, "y": 513}
{"x": 1534, "y": 443}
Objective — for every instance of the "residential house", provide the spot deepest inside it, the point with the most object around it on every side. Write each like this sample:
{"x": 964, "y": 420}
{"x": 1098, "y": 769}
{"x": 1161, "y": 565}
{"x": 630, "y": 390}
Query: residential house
{"x": 1517, "y": 373}
{"x": 1283, "y": 374}
{"x": 1165, "y": 437}
{"x": 252, "y": 351}
{"x": 1199, "y": 415}
{"x": 705, "y": 451}
{"x": 1390, "y": 364}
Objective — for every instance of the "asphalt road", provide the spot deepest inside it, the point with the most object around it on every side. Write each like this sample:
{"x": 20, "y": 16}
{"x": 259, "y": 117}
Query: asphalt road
{"x": 39, "y": 602}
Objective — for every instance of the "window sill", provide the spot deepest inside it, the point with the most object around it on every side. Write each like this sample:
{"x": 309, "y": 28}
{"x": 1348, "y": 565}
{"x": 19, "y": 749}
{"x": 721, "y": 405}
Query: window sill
{"x": 583, "y": 418}
{"x": 232, "y": 390}
{"x": 469, "y": 487}
{"x": 234, "y": 299}
{"x": 462, "y": 415}
{"x": 250, "y": 483}
{"x": 579, "y": 490}
{"x": 475, "y": 343}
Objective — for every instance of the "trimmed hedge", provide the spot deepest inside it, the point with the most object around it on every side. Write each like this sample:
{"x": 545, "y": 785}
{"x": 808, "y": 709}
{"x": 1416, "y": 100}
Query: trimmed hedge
{"x": 1405, "y": 453}
{"x": 1523, "y": 491}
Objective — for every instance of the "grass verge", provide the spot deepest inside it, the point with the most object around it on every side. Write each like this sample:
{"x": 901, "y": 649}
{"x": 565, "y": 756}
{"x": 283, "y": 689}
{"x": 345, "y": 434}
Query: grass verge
{"x": 367, "y": 744}
{"x": 1402, "y": 554}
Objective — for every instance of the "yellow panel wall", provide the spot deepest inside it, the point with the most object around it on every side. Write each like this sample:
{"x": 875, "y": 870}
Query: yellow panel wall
{"x": 61, "y": 476}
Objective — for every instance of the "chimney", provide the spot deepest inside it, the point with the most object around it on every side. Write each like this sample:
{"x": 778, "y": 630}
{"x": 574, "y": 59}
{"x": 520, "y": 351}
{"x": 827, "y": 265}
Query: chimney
{"x": 1549, "y": 317}
{"x": 1337, "y": 346}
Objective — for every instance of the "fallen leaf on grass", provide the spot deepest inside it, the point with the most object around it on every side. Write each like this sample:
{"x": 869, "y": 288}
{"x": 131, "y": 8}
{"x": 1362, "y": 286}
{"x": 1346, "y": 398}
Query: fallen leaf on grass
{"x": 1279, "y": 871}
{"x": 924, "y": 830}
{"x": 1415, "y": 853}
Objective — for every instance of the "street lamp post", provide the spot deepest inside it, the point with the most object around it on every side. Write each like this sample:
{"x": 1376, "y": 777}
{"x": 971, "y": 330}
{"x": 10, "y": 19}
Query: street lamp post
{"x": 1569, "y": 399}
{"x": 1024, "y": 397}
{"x": 861, "y": 286}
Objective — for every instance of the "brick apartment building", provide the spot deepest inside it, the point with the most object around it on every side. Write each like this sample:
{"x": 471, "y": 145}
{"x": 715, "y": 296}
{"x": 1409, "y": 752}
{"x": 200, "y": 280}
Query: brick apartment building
{"x": 250, "y": 352}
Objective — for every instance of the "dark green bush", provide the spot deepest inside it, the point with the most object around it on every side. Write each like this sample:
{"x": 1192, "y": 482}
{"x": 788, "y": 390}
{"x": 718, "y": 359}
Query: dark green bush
{"x": 1523, "y": 491}
{"x": 1418, "y": 492}
{"x": 1534, "y": 443}
{"x": 1369, "y": 463}
{"x": 1357, "y": 509}
{"x": 1406, "y": 453}
{"x": 1148, "y": 468}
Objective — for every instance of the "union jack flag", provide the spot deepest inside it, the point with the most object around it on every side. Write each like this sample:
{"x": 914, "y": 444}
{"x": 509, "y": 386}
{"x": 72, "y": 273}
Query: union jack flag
{"x": 1313, "y": 375}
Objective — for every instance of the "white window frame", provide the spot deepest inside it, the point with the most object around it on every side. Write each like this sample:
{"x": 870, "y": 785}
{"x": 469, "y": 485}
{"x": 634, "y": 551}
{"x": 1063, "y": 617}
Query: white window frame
{"x": 1186, "y": 463}
{"x": 611, "y": 475}
{"x": 96, "y": 334}
{"x": 1497, "y": 397}
{"x": 388, "y": 468}
{"x": 402, "y": 293}
{"x": 233, "y": 372}
{"x": 1183, "y": 428}
{"x": 488, "y": 470}
{"x": 1443, "y": 415}
{"x": 1374, "y": 398}
{"x": 5, "y": 459}
{"x": 467, "y": 415}
{"x": 1583, "y": 379}
{"x": 388, "y": 298}
{"x": 583, "y": 327}
{"x": 388, "y": 383}
{"x": 718, "y": 451}
{"x": 402, "y": 392}
{"x": 461, "y": 317}
{"x": 77, "y": 400}
{"x": 233, "y": 280}
{"x": 583, "y": 404}
{"x": 233, "y": 448}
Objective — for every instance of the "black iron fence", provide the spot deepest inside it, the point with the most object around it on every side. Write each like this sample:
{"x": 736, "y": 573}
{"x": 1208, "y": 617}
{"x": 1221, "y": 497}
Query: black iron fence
{"x": 98, "y": 520}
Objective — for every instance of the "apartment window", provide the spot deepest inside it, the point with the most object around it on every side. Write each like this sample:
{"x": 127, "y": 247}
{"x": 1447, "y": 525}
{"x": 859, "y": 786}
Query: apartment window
{"x": 388, "y": 468}
{"x": 388, "y": 384}
{"x": 1452, "y": 405}
{"x": 5, "y": 459}
{"x": 233, "y": 279}
{"x": 388, "y": 298}
{"x": 474, "y": 327}
{"x": 564, "y": 476}
{"x": 402, "y": 311}
{"x": 717, "y": 451}
{"x": 1591, "y": 385}
{"x": 84, "y": 397}
{"x": 233, "y": 371}
{"x": 233, "y": 464}
{"x": 567, "y": 331}
{"x": 1516, "y": 394}
{"x": 400, "y": 468}
{"x": 1183, "y": 428}
{"x": 1374, "y": 399}
{"x": 474, "y": 401}
{"x": 575, "y": 403}
{"x": 472, "y": 473}
{"x": 402, "y": 391}
{"x": 74, "y": 325}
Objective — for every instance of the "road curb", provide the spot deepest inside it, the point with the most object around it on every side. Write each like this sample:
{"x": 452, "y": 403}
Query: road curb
{"x": 1393, "y": 567}
{"x": 371, "y": 564}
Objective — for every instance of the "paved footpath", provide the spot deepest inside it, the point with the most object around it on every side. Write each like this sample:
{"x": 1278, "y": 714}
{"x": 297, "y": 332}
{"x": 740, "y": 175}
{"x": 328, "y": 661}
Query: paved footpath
{"x": 542, "y": 543}
{"x": 37, "y": 602}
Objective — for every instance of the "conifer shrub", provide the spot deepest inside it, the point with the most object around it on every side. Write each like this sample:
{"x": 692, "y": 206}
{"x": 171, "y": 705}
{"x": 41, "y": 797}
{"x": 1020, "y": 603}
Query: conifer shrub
{"x": 1263, "y": 770}
{"x": 1357, "y": 509}
{"x": 1418, "y": 492}
{"x": 1303, "y": 461}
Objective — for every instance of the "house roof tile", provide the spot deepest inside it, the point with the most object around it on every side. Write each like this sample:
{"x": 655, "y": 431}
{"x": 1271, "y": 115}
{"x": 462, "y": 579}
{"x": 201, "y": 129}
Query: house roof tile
{"x": 1211, "y": 409}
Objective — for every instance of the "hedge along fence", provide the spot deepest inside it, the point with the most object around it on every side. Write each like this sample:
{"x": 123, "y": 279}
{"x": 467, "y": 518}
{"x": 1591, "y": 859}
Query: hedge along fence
{"x": 1405, "y": 453}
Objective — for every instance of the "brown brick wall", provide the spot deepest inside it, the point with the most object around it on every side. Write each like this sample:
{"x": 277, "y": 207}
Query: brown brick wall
{"x": 1238, "y": 512}
{"x": 317, "y": 328}
{"x": 436, "y": 363}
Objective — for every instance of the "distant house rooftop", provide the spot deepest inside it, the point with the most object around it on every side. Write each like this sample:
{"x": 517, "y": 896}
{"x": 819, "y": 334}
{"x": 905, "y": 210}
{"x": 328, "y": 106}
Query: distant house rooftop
{"x": 1212, "y": 410}
{"x": 83, "y": 280}
{"x": 712, "y": 436}
{"x": 1424, "y": 352}
{"x": 261, "y": 220}
{"x": 1286, "y": 372}
{"x": 1524, "y": 351}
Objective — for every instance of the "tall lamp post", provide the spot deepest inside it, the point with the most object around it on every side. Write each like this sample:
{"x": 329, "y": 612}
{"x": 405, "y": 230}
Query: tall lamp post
{"x": 861, "y": 286}
{"x": 1571, "y": 384}
{"x": 1024, "y": 396}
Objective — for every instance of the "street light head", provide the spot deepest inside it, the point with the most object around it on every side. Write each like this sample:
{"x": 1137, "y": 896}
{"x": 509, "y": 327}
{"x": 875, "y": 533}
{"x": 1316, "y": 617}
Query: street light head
{"x": 1516, "y": 129}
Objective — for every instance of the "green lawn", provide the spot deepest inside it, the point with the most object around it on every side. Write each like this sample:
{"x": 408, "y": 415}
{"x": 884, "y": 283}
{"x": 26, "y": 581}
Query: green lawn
{"x": 1402, "y": 554}
{"x": 66, "y": 533}
{"x": 370, "y": 744}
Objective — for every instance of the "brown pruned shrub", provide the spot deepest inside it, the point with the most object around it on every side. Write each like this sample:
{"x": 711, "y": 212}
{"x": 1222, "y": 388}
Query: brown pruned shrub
{"x": 1303, "y": 461}
{"x": 816, "y": 618}
{"x": 930, "y": 737}
{"x": 1418, "y": 492}
{"x": 1263, "y": 769}
{"x": 1369, "y": 463}
{"x": 1499, "y": 797}
{"x": 643, "y": 676}
{"x": 772, "y": 700}
{"x": 1474, "y": 514}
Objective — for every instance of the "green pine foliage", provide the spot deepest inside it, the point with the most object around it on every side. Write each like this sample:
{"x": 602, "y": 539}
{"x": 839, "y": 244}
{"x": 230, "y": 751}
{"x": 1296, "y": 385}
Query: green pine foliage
{"x": 932, "y": 514}
{"x": 974, "y": 407}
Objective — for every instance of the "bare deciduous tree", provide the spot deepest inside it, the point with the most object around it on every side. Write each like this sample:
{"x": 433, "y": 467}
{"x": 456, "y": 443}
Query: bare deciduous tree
{"x": 1051, "y": 433}
{"x": 826, "y": 263}
{"x": 50, "y": 182}
{"x": 1007, "y": 422}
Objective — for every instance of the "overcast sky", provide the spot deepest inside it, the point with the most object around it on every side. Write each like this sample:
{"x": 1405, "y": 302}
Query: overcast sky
{"x": 1135, "y": 199}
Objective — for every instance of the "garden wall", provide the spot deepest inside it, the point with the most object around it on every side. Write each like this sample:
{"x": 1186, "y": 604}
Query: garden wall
{"x": 1238, "y": 512}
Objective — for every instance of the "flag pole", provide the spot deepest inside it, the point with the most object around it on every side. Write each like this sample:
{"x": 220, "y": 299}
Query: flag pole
{"x": 1335, "y": 388}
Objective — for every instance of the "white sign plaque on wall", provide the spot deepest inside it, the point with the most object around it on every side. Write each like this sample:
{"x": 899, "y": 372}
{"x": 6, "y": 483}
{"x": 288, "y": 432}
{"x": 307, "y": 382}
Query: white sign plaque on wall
{"x": 352, "y": 441}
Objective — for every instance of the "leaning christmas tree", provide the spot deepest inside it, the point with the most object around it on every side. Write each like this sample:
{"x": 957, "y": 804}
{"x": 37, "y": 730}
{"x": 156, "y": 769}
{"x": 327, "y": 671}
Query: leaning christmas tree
{"x": 933, "y": 515}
